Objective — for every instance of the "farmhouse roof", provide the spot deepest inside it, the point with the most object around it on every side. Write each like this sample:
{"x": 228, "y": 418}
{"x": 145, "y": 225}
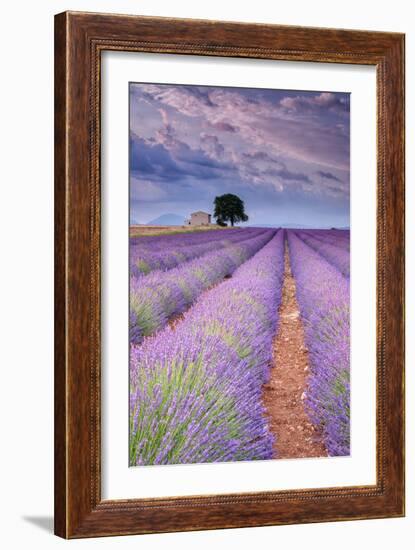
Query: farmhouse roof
{"x": 200, "y": 212}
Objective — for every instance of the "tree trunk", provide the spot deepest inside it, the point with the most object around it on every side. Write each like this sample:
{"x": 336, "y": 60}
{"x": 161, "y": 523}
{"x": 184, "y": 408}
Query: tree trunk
{"x": 232, "y": 221}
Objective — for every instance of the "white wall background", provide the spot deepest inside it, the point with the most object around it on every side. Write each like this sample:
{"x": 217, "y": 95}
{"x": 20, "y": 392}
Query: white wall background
{"x": 26, "y": 274}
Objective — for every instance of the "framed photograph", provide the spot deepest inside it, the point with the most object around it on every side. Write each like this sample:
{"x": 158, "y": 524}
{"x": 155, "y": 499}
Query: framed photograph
{"x": 229, "y": 275}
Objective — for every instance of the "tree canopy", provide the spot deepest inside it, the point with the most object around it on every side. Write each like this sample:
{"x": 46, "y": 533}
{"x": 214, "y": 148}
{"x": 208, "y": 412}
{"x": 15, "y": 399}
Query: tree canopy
{"x": 229, "y": 208}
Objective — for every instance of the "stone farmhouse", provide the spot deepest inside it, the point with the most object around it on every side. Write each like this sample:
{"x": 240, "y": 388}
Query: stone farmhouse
{"x": 199, "y": 218}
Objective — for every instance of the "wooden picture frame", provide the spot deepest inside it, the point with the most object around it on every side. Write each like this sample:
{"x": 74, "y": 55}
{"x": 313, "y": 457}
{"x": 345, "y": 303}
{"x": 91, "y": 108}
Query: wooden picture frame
{"x": 79, "y": 40}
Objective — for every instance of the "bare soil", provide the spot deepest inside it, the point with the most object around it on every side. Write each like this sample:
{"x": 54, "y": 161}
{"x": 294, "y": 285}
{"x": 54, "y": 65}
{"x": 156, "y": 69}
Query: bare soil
{"x": 175, "y": 320}
{"x": 284, "y": 395}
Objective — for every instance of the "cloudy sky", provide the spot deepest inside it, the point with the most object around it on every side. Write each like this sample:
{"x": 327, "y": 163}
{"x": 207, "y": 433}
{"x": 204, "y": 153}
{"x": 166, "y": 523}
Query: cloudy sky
{"x": 285, "y": 153}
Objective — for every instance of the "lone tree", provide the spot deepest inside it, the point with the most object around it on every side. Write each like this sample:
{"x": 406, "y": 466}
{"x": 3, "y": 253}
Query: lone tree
{"x": 229, "y": 208}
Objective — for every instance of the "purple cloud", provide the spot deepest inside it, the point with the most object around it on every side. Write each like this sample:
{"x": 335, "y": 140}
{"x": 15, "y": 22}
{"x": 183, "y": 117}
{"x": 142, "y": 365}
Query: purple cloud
{"x": 327, "y": 175}
{"x": 326, "y": 100}
{"x": 211, "y": 146}
{"x": 258, "y": 141}
{"x": 224, "y": 126}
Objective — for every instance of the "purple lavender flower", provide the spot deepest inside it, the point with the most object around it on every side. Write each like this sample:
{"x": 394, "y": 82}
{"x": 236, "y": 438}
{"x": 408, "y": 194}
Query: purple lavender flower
{"x": 163, "y": 294}
{"x": 334, "y": 250}
{"x": 165, "y": 252}
{"x": 209, "y": 372}
{"x": 323, "y": 295}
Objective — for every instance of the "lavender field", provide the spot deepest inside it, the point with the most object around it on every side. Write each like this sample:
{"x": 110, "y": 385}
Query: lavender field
{"x": 233, "y": 333}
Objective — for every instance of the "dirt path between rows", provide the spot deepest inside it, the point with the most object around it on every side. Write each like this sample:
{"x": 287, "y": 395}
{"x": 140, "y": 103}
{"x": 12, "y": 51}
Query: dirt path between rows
{"x": 283, "y": 396}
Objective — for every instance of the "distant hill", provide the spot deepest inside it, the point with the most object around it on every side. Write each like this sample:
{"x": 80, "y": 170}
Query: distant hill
{"x": 167, "y": 219}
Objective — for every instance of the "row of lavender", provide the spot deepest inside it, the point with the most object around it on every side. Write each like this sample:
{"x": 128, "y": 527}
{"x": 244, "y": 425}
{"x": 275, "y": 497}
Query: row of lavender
{"x": 332, "y": 248}
{"x": 337, "y": 237}
{"x": 323, "y": 294}
{"x": 164, "y": 252}
{"x": 162, "y": 295}
{"x": 195, "y": 391}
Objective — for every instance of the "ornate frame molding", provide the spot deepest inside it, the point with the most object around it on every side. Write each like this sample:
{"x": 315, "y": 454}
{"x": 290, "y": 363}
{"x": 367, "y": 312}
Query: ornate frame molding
{"x": 79, "y": 40}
